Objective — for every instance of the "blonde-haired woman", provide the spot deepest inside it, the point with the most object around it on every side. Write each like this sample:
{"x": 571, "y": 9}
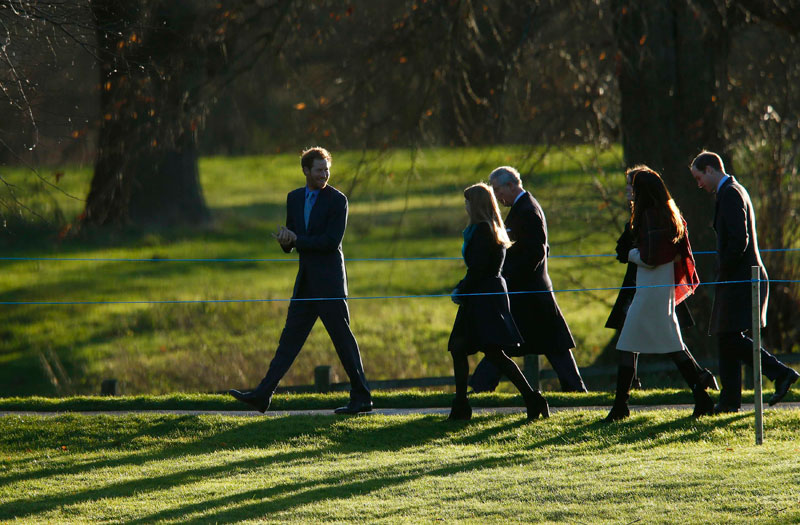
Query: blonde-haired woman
{"x": 484, "y": 322}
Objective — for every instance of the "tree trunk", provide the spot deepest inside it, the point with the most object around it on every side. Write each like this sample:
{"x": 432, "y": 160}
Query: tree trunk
{"x": 146, "y": 166}
{"x": 672, "y": 58}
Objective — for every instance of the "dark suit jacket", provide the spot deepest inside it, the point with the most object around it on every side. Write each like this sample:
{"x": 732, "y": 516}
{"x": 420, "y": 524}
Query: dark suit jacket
{"x": 620, "y": 310}
{"x": 321, "y": 272}
{"x": 483, "y": 322}
{"x": 737, "y": 251}
{"x": 537, "y": 314}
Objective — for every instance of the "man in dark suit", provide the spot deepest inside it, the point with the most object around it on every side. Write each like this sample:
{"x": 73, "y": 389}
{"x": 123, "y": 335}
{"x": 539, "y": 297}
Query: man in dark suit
{"x": 737, "y": 252}
{"x": 537, "y": 315}
{"x": 316, "y": 217}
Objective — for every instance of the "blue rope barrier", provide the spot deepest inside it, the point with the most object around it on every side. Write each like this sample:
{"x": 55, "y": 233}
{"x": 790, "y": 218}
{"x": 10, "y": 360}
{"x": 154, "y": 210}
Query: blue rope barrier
{"x": 362, "y": 259}
{"x": 424, "y": 296}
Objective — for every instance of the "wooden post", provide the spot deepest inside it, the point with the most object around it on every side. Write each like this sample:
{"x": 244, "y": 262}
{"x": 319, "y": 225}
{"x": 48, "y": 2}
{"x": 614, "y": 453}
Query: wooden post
{"x": 322, "y": 379}
{"x": 757, "y": 397}
{"x": 109, "y": 387}
{"x": 530, "y": 368}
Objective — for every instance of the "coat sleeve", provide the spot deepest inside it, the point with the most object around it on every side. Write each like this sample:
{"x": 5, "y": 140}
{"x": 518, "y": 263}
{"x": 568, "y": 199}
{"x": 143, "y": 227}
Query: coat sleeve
{"x": 481, "y": 262}
{"x": 530, "y": 244}
{"x": 734, "y": 234}
{"x": 624, "y": 243}
{"x": 331, "y": 236}
{"x": 289, "y": 223}
{"x": 655, "y": 244}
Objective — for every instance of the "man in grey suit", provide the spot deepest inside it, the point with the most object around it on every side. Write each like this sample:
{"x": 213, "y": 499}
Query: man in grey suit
{"x": 537, "y": 315}
{"x": 316, "y": 218}
{"x": 737, "y": 252}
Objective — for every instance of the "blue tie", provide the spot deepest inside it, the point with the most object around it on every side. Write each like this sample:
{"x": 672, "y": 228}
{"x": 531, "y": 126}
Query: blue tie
{"x": 309, "y": 204}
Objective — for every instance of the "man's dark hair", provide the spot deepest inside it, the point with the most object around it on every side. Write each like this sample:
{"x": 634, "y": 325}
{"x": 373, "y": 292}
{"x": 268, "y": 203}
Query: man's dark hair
{"x": 309, "y": 155}
{"x": 708, "y": 158}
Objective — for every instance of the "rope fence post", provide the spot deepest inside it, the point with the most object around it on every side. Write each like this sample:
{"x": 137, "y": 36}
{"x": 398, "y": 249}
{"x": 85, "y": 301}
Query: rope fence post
{"x": 757, "y": 397}
{"x": 531, "y": 370}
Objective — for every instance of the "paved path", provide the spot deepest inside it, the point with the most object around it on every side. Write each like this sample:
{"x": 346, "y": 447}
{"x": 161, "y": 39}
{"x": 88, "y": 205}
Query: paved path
{"x": 383, "y": 411}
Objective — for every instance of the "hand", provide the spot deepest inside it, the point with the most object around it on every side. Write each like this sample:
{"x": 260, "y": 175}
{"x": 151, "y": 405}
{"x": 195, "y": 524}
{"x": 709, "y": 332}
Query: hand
{"x": 285, "y": 236}
{"x": 455, "y": 297}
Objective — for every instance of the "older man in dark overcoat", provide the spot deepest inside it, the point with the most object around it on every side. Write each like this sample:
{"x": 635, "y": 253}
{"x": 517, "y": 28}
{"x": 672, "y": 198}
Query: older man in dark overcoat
{"x": 536, "y": 314}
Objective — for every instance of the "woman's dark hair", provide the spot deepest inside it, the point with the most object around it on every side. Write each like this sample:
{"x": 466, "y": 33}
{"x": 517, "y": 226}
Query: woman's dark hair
{"x": 651, "y": 197}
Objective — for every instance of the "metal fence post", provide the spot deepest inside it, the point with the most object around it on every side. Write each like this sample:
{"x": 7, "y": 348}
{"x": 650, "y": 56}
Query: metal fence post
{"x": 757, "y": 398}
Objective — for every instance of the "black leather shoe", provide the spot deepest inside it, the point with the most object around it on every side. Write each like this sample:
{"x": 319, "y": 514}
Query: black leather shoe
{"x": 707, "y": 380}
{"x": 354, "y": 407}
{"x": 537, "y": 406}
{"x": 722, "y": 408}
{"x": 260, "y": 403}
{"x": 782, "y": 386}
{"x": 618, "y": 411}
{"x": 461, "y": 410}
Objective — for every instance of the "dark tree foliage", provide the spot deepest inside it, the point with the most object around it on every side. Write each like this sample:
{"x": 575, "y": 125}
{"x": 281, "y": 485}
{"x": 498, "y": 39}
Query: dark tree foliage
{"x": 160, "y": 64}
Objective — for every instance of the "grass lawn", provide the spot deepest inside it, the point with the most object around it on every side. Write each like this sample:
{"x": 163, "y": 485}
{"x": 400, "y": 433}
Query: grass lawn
{"x": 656, "y": 467}
{"x": 381, "y": 399}
{"x": 401, "y": 205}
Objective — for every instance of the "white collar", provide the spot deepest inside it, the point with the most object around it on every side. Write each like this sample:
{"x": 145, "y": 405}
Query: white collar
{"x": 523, "y": 192}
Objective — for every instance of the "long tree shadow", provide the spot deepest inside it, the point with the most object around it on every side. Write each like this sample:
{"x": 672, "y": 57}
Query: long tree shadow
{"x": 251, "y": 434}
{"x": 287, "y": 496}
{"x": 343, "y": 436}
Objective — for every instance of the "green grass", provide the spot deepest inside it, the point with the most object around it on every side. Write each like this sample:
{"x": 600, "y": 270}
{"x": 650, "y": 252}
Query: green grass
{"x": 388, "y": 399}
{"x": 402, "y": 205}
{"x": 656, "y": 467}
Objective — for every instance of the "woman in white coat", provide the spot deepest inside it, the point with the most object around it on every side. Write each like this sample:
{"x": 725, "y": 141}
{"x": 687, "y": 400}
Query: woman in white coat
{"x": 665, "y": 276}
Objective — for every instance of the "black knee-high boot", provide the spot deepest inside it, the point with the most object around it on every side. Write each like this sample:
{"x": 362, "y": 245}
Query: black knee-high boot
{"x": 461, "y": 408}
{"x": 620, "y": 408}
{"x": 703, "y": 404}
{"x": 534, "y": 400}
{"x": 707, "y": 379}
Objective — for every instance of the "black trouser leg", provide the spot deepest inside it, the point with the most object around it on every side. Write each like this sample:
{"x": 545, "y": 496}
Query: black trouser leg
{"x": 566, "y": 368}
{"x": 299, "y": 321}
{"x": 335, "y": 316}
{"x": 485, "y": 377}
{"x": 736, "y": 348}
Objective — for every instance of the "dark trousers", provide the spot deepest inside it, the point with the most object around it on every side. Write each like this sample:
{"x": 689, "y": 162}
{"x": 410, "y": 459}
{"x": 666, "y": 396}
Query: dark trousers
{"x": 736, "y": 348}
{"x": 486, "y": 376}
{"x": 300, "y": 320}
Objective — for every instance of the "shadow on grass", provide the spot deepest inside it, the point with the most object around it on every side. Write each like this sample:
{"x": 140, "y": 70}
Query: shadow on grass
{"x": 257, "y": 433}
{"x": 179, "y": 438}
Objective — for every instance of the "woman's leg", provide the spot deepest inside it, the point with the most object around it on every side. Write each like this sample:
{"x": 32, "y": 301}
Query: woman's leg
{"x": 687, "y": 366}
{"x": 534, "y": 401}
{"x": 707, "y": 378}
{"x": 626, "y": 371}
{"x": 461, "y": 408}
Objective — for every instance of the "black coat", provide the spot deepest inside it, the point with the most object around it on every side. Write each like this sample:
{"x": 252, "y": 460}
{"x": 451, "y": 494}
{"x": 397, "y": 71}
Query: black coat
{"x": 483, "y": 322}
{"x": 525, "y": 269}
{"x": 620, "y": 310}
{"x": 737, "y": 251}
{"x": 321, "y": 270}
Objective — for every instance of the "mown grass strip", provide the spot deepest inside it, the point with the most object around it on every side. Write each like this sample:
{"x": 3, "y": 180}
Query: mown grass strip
{"x": 395, "y": 399}
{"x": 656, "y": 467}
